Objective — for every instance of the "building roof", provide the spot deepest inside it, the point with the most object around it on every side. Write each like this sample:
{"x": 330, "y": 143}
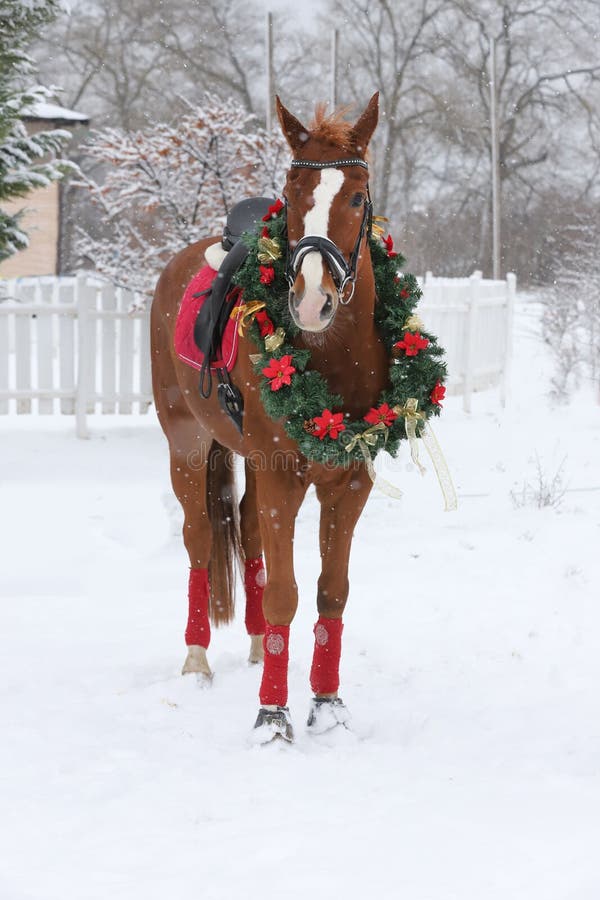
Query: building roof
{"x": 55, "y": 113}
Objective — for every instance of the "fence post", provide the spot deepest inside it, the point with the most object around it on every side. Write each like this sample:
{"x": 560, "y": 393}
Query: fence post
{"x": 6, "y": 290}
{"x": 511, "y": 290}
{"x": 83, "y": 325}
{"x": 469, "y": 360}
{"x": 23, "y": 344}
{"x": 45, "y": 346}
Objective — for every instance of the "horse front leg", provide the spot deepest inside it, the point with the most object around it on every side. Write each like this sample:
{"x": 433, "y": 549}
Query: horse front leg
{"x": 254, "y": 570}
{"x": 280, "y": 495}
{"x": 342, "y": 501}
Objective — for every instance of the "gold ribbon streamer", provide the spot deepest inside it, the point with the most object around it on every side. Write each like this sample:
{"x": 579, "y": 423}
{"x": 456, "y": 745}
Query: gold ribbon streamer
{"x": 441, "y": 468}
{"x": 411, "y": 417}
{"x": 245, "y": 312}
{"x": 363, "y": 441}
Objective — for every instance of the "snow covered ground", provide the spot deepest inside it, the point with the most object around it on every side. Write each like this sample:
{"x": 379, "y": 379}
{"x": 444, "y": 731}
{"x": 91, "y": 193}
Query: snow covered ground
{"x": 471, "y": 666}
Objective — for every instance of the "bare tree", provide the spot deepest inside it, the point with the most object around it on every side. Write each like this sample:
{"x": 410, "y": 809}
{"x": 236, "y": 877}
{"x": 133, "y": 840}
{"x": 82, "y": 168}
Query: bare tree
{"x": 571, "y": 320}
{"x": 127, "y": 61}
{"x": 130, "y": 63}
{"x": 547, "y": 72}
{"x": 168, "y": 186}
{"x": 389, "y": 46}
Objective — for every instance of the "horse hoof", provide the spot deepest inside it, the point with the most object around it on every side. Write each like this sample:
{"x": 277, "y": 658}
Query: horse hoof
{"x": 196, "y": 662}
{"x": 257, "y": 652}
{"x": 327, "y": 713}
{"x": 273, "y": 724}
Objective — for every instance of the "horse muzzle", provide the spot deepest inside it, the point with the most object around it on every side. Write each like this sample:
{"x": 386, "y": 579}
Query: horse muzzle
{"x": 312, "y": 310}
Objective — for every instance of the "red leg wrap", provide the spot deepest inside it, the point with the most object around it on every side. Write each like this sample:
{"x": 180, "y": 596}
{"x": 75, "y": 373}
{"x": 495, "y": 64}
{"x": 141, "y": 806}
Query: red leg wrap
{"x": 198, "y": 625}
{"x": 325, "y": 670}
{"x": 273, "y": 688}
{"x": 254, "y": 584}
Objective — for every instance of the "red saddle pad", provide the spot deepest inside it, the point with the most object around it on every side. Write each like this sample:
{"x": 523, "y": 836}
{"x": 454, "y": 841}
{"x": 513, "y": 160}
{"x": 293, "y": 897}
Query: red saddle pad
{"x": 185, "y": 346}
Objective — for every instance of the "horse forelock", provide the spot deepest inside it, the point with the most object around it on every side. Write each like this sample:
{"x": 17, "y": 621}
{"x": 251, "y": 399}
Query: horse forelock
{"x": 333, "y": 128}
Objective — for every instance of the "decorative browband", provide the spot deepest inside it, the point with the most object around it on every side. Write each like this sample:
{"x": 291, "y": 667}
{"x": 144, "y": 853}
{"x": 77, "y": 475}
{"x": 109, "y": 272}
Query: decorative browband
{"x": 313, "y": 164}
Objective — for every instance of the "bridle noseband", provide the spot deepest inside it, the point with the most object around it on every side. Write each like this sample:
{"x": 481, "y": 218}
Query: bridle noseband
{"x": 343, "y": 272}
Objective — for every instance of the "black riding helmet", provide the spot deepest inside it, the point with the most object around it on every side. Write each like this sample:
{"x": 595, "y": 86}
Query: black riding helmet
{"x": 244, "y": 217}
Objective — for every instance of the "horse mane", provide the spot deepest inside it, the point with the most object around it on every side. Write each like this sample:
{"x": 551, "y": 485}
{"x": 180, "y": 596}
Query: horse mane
{"x": 333, "y": 128}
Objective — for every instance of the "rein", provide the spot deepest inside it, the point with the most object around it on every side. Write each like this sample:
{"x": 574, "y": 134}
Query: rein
{"x": 343, "y": 272}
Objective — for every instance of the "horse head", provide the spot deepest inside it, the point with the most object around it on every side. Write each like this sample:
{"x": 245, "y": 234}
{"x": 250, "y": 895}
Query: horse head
{"x": 328, "y": 211}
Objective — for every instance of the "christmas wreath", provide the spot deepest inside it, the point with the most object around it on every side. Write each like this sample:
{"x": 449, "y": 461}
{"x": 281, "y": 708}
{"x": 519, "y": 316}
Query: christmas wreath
{"x": 298, "y": 396}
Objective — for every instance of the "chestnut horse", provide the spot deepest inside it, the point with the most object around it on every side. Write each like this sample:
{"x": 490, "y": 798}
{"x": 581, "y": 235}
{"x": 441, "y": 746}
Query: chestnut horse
{"x": 327, "y": 196}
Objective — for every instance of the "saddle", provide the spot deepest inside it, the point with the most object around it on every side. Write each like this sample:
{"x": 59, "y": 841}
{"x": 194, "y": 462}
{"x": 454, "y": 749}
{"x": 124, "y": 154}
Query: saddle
{"x": 220, "y": 299}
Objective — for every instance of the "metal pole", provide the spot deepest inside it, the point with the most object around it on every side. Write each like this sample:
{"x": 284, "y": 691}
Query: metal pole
{"x": 495, "y": 164}
{"x": 269, "y": 48}
{"x": 334, "y": 55}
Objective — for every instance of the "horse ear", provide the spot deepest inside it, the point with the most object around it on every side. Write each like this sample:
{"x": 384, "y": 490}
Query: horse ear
{"x": 295, "y": 132}
{"x": 365, "y": 126}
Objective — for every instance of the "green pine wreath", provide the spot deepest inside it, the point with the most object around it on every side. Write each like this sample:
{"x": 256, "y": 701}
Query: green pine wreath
{"x": 298, "y": 396}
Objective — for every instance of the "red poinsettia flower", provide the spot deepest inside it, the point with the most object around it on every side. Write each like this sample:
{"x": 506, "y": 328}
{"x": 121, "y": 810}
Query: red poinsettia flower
{"x": 389, "y": 246}
{"x": 265, "y": 232}
{"x": 404, "y": 293}
{"x": 273, "y": 210}
{"x": 379, "y": 414}
{"x": 267, "y": 274}
{"x": 438, "y": 393}
{"x": 328, "y": 424}
{"x": 279, "y": 372}
{"x": 265, "y": 325}
{"x": 411, "y": 343}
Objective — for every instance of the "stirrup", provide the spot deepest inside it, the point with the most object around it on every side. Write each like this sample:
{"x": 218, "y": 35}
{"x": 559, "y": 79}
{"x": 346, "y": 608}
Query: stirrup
{"x": 326, "y": 713}
{"x": 273, "y": 722}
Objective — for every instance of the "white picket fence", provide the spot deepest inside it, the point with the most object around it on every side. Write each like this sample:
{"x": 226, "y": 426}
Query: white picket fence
{"x": 72, "y": 345}
{"x": 473, "y": 319}
{"x": 79, "y": 346}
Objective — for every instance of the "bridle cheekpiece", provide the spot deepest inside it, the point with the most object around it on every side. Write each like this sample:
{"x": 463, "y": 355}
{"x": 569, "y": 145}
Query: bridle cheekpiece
{"x": 342, "y": 271}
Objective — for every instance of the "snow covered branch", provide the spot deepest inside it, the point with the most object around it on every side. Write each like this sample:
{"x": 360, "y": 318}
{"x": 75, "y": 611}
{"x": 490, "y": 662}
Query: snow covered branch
{"x": 170, "y": 185}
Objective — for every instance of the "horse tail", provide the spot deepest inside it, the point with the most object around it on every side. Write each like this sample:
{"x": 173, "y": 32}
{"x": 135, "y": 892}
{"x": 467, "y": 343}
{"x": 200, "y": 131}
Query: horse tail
{"x": 226, "y": 550}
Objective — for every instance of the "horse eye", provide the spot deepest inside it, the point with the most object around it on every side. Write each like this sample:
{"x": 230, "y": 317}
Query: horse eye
{"x": 356, "y": 200}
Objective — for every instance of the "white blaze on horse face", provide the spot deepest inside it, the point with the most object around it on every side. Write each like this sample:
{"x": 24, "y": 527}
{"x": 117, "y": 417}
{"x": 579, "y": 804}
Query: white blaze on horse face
{"x": 316, "y": 222}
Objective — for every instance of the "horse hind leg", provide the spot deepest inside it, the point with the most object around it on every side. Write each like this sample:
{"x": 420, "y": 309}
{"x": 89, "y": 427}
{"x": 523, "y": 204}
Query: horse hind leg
{"x": 189, "y": 476}
{"x": 203, "y": 481}
{"x": 211, "y": 536}
{"x": 254, "y": 571}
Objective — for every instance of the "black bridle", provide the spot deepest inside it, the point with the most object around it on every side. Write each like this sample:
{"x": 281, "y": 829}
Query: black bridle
{"x": 342, "y": 271}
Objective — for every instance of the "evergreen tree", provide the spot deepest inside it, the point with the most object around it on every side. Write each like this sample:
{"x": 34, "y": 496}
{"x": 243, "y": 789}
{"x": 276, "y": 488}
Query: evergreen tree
{"x": 26, "y": 161}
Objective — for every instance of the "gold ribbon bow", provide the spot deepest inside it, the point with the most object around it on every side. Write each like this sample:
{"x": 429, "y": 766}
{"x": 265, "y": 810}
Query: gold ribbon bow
{"x": 274, "y": 341}
{"x": 268, "y": 250}
{"x": 377, "y": 229}
{"x": 368, "y": 436}
{"x": 414, "y": 323}
{"x": 411, "y": 417}
{"x": 245, "y": 312}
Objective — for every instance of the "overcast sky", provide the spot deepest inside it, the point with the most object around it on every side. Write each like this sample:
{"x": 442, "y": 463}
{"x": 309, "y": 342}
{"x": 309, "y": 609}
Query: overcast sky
{"x": 299, "y": 9}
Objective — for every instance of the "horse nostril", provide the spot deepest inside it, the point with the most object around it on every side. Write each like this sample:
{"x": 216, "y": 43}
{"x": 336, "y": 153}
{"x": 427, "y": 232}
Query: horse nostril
{"x": 327, "y": 308}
